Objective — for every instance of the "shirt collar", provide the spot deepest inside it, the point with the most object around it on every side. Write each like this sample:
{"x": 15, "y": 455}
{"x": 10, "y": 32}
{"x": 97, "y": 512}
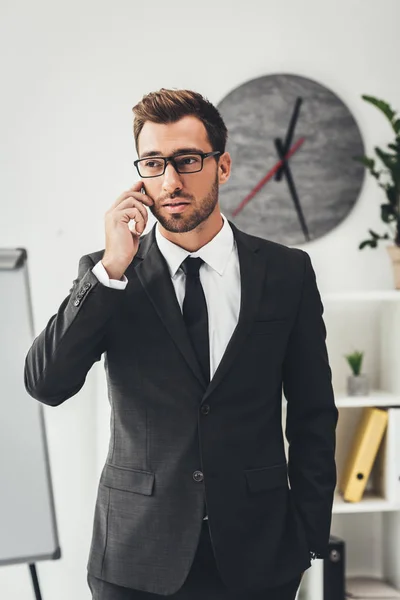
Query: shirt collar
{"x": 215, "y": 253}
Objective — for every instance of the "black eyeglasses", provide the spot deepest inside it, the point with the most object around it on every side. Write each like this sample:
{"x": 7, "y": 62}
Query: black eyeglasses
{"x": 189, "y": 162}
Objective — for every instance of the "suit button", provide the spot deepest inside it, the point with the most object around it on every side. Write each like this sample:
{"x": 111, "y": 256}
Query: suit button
{"x": 77, "y": 302}
{"x": 205, "y": 409}
{"x": 198, "y": 476}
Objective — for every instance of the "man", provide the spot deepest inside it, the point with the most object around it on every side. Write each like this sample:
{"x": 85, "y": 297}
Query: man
{"x": 201, "y": 326}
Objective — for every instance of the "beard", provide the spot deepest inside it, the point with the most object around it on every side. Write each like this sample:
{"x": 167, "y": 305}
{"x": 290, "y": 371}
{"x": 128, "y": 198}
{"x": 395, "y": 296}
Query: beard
{"x": 182, "y": 223}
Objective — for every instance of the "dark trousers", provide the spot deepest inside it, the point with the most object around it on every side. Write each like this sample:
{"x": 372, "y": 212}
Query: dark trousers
{"x": 202, "y": 583}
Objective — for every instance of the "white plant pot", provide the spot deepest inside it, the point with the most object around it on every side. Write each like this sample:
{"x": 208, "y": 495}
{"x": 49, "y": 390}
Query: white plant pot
{"x": 358, "y": 385}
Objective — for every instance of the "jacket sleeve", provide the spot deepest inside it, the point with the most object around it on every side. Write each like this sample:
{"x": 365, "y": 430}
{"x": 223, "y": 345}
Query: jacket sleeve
{"x": 60, "y": 357}
{"x": 311, "y": 416}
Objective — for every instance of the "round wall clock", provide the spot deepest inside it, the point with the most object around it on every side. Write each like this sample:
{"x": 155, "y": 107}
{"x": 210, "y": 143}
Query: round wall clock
{"x": 293, "y": 177}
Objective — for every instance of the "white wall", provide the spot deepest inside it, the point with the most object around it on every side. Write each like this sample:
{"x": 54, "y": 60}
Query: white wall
{"x": 70, "y": 74}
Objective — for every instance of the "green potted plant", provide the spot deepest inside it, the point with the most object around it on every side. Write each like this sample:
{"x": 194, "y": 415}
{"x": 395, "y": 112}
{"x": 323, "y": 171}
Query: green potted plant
{"x": 357, "y": 383}
{"x": 387, "y": 174}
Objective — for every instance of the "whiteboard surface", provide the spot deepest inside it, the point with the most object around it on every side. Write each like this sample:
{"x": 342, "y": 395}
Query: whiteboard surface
{"x": 27, "y": 516}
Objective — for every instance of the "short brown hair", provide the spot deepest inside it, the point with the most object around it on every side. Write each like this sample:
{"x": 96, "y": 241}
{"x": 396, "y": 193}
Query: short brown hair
{"x": 168, "y": 106}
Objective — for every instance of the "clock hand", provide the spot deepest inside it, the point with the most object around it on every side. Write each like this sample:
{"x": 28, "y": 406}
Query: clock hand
{"x": 267, "y": 177}
{"x": 289, "y": 135}
{"x": 288, "y": 174}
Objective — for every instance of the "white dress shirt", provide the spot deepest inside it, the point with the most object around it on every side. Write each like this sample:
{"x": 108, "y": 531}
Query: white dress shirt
{"x": 219, "y": 276}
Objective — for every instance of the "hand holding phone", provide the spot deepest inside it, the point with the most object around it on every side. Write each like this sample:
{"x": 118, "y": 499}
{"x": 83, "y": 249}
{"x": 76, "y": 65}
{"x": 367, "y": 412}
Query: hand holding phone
{"x": 122, "y": 242}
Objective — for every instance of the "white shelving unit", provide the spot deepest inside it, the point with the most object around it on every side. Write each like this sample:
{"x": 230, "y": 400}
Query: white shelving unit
{"x": 368, "y": 321}
{"x": 375, "y": 398}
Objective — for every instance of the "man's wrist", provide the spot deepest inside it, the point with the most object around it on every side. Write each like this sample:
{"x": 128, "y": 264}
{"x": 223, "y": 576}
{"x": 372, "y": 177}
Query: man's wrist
{"x": 112, "y": 271}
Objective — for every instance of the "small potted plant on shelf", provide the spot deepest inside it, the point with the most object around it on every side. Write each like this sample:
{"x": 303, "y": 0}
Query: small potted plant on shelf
{"x": 387, "y": 174}
{"x": 357, "y": 383}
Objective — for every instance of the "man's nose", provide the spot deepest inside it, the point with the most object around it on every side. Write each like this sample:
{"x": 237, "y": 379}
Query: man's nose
{"x": 172, "y": 180}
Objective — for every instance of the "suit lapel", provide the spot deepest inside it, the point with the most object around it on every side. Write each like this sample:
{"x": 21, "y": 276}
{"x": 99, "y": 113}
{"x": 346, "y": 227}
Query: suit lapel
{"x": 153, "y": 274}
{"x": 252, "y": 275}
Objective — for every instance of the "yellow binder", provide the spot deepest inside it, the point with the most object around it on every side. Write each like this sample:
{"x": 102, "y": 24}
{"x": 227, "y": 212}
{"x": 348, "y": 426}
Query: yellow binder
{"x": 363, "y": 452}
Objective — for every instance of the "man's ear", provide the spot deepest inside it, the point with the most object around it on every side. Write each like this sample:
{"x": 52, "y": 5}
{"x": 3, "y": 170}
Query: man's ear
{"x": 224, "y": 167}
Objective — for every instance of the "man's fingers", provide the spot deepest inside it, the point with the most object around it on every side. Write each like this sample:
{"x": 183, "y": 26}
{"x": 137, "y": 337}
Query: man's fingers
{"x": 132, "y": 203}
{"x": 134, "y": 192}
{"x": 142, "y": 198}
{"x": 140, "y": 220}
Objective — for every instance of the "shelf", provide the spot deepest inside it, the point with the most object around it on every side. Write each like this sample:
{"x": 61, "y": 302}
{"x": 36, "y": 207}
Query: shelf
{"x": 375, "y": 398}
{"x": 362, "y": 296}
{"x": 368, "y": 320}
{"x": 369, "y": 503}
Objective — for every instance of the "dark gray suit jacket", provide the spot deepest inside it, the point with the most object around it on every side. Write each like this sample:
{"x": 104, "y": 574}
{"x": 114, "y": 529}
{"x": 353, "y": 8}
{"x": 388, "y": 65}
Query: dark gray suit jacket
{"x": 175, "y": 440}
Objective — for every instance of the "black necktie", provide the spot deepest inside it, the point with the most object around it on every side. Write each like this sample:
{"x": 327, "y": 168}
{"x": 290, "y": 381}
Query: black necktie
{"x": 195, "y": 313}
{"x": 195, "y": 316}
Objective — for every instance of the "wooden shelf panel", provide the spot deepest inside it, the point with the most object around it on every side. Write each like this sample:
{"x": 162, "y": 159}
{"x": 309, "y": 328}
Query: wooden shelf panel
{"x": 375, "y": 398}
{"x": 369, "y": 503}
{"x": 362, "y": 296}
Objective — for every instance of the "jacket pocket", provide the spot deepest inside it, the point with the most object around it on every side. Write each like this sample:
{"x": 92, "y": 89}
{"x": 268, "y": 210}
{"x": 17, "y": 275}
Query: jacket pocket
{"x": 127, "y": 480}
{"x": 271, "y": 326}
{"x": 266, "y": 478}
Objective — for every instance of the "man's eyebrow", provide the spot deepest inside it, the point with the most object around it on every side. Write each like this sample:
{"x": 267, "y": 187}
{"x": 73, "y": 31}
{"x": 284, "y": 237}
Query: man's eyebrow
{"x": 176, "y": 151}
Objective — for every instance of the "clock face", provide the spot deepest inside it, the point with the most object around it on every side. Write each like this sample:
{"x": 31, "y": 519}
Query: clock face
{"x": 315, "y": 186}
